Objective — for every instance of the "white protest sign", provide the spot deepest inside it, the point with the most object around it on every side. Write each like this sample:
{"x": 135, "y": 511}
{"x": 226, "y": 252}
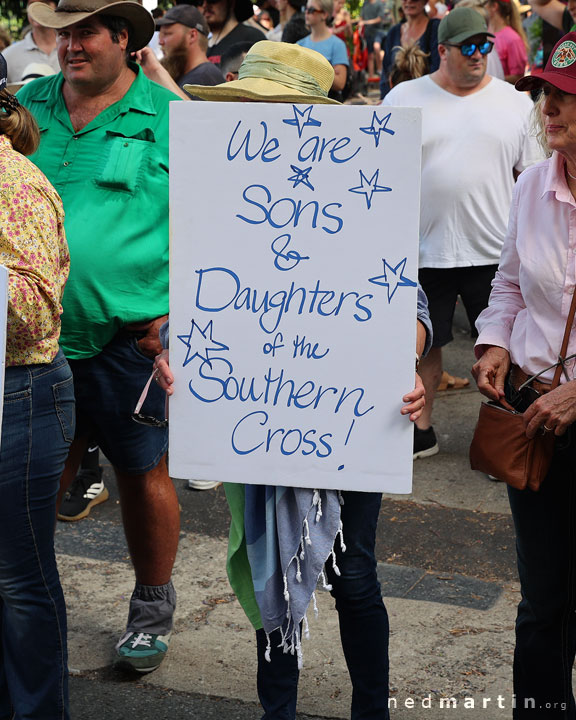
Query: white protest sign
{"x": 293, "y": 271}
{"x": 3, "y": 320}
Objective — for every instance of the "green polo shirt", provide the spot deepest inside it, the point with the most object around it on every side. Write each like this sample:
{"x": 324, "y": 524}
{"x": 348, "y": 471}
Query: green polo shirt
{"x": 112, "y": 177}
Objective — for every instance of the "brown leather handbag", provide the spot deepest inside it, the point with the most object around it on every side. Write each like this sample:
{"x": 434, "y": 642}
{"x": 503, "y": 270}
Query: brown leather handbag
{"x": 500, "y": 446}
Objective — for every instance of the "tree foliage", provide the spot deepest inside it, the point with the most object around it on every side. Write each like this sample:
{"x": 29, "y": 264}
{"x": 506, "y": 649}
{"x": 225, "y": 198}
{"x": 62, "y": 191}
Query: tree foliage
{"x": 354, "y": 7}
{"x": 13, "y": 15}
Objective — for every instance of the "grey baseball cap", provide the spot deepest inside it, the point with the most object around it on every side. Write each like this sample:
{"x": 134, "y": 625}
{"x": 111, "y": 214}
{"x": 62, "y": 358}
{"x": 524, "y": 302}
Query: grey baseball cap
{"x": 185, "y": 15}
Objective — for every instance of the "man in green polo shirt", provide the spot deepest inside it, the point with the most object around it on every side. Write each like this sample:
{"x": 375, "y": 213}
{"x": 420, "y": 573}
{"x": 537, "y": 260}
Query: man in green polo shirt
{"x": 104, "y": 146}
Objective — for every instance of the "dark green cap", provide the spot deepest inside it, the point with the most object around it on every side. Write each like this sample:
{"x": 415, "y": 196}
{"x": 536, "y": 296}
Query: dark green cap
{"x": 461, "y": 24}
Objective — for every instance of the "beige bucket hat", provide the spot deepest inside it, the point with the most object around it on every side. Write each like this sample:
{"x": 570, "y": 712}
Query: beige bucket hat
{"x": 275, "y": 72}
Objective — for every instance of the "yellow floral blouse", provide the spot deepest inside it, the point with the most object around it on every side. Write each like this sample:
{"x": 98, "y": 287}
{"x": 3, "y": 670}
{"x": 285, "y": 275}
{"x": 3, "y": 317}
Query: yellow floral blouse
{"x": 33, "y": 248}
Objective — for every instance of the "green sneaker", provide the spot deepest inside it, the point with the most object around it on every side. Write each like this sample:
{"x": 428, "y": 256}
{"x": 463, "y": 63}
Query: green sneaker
{"x": 142, "y": 652}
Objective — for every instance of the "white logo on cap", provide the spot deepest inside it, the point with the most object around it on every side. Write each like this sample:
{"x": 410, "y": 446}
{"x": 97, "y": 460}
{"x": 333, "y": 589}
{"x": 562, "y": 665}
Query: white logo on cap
{"x": 565, "y": 55}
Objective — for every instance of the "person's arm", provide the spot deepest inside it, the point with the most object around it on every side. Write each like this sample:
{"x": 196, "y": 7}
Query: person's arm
{"x": 415, "y": 400}
{"x": 30, "y": 248}
{"x": 150, "y": 344}
{"x": 424, "y": 328}
{"x": 491, "y": 370}
{"x": 163, "y": 374}
{"x": 374, "y": 21}
{"x": 555, "y": 410}
{"x": 156, "y": 72}
{"x": 516, "y": 59}
{"x": 340, "y": 74}
{"x": 513, "y": 79}
{"x": 552, "y": 11}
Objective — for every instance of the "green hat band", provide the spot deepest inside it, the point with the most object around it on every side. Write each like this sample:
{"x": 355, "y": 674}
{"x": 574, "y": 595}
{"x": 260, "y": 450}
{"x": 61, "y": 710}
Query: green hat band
{"x": 264, "y": 68}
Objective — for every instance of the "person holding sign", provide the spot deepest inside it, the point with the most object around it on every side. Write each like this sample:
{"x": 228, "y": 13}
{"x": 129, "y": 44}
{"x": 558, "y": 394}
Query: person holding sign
{"x": 340, "y": 544}
{"x": 37, "y": 427}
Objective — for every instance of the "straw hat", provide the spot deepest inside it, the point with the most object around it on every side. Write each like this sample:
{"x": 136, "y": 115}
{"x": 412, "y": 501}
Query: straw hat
{"x": 69, "y": 12}
{"x": 275, "y": 72}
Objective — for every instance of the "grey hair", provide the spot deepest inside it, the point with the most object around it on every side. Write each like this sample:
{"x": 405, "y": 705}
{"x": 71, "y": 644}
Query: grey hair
{"x": 537, "y": 125}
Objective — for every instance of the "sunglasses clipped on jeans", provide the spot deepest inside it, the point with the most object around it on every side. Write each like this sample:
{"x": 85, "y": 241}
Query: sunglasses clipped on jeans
{"x": 468, "y": 49}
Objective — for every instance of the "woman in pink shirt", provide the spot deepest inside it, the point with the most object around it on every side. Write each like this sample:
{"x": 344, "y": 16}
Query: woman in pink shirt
{"x": 520, "y": 334}
{"x": 509, "y": 37}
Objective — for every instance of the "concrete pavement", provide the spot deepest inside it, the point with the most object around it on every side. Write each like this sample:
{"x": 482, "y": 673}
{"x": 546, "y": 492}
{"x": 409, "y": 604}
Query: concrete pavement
{"x": 447, "y": 566}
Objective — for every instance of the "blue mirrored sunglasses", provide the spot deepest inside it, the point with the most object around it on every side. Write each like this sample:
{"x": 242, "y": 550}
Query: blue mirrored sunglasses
{"x": 468, "y": 49}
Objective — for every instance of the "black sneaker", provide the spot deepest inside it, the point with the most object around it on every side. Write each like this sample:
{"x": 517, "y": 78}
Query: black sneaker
{"x": 425, "y": 443}
{"x": 86, "y": 491}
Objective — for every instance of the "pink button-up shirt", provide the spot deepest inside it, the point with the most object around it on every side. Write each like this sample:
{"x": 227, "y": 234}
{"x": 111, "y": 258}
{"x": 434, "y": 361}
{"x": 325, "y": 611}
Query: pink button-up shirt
{"x": 536, "y": 278}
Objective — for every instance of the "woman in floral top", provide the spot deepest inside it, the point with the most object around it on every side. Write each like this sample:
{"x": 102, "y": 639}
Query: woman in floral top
{"x": 37, "y": 426}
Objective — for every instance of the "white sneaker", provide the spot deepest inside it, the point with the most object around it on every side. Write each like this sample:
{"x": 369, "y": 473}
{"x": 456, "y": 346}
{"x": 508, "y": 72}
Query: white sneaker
{"x": 203, "y": 484}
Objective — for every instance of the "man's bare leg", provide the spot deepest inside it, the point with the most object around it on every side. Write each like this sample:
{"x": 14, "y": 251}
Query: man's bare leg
{"x": 151, "y": 517}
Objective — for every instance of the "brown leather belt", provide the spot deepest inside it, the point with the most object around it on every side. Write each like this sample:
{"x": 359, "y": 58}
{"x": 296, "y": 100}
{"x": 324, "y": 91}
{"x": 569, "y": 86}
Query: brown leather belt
{"x": 518, "y": 377}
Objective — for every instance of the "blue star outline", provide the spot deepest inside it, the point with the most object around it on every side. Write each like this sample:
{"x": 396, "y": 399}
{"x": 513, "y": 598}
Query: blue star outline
{"x": 301, "y": 177}
{"x": 203, "y": 341}
{"x": 377, "y": 127}
{"x": 302, "y": 119}
{"x": 368, "y": 187}
{"x": 393, "y": 278}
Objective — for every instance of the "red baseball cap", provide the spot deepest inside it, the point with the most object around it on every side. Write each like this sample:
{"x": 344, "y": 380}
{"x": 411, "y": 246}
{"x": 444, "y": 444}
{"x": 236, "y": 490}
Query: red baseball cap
{"x": 560, "y": 70}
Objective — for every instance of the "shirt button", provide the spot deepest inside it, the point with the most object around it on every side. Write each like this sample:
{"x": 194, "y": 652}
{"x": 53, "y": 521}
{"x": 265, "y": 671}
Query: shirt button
{"x": 75, "y": 137}
{"x": 67, "y": 163}
{"x": 126, "y": 145}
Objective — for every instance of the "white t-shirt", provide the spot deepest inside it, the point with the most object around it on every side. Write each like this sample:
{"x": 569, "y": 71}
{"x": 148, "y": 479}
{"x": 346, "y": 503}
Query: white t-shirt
{"x": 470, "y": 146}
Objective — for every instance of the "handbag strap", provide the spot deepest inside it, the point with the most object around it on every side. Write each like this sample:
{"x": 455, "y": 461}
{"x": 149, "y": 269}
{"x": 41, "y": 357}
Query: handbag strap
{"x": 566, "y": 338}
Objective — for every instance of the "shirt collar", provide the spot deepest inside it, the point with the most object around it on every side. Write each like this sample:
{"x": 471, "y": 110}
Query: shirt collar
{"x": 556, "y": 180}
{"x": 138, "y": 97}
{"x": 28, "y": 42}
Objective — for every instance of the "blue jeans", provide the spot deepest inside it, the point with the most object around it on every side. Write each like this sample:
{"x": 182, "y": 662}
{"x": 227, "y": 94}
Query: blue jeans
{"x": 37, "y": 429}
{"x": 545, "y": 523}
{"x": 364, "y": 629}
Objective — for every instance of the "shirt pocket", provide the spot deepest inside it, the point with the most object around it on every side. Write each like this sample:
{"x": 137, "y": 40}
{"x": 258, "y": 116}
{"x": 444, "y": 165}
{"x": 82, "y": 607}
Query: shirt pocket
{"x": 124, "y": 160}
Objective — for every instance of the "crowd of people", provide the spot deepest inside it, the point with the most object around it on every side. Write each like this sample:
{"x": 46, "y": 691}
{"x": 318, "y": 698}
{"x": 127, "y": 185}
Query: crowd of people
{"x": 87, "y": 209}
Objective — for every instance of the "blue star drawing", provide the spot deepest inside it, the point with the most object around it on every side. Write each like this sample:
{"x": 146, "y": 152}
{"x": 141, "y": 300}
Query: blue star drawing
{"x": 369, "y": 187}
{"x": 301, "y": 177}
{"x": 302, "y": 119}
{"x": 378, "y": 126}
{"x": 200, "y": 343}
{"x": 393, "y": 278}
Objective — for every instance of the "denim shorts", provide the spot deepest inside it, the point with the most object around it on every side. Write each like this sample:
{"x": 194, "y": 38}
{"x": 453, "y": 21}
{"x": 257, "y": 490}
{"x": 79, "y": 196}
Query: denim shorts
{"x": 107, "y": 388}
